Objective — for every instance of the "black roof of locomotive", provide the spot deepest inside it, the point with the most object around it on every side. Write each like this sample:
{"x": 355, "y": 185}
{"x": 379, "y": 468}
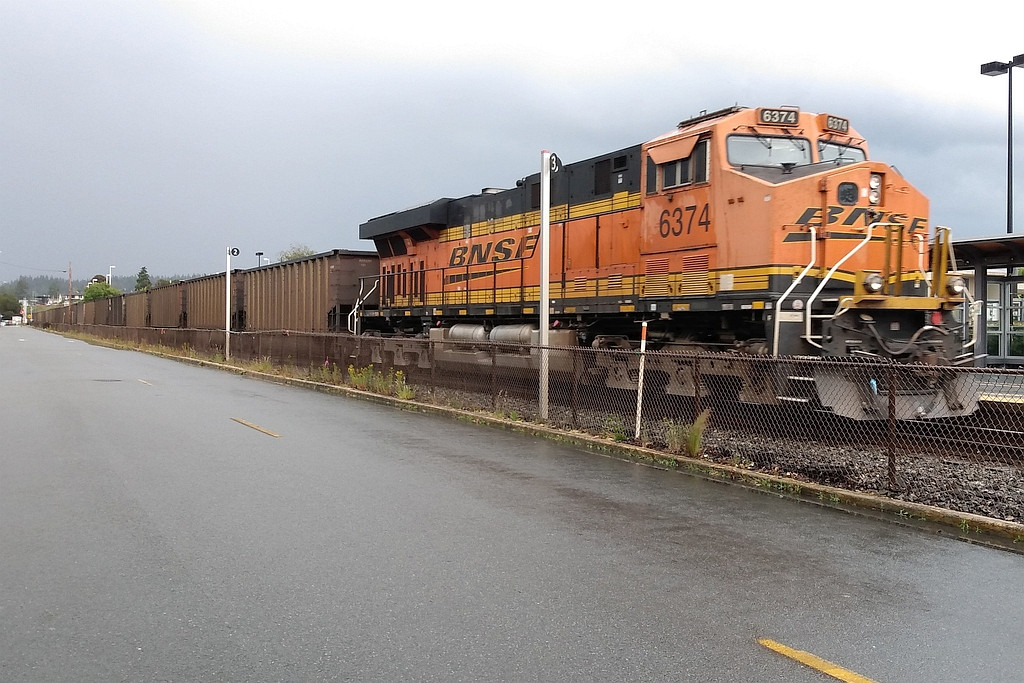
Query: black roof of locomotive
{"x": 495, "y": 202}
{"x": 433, "y": 214}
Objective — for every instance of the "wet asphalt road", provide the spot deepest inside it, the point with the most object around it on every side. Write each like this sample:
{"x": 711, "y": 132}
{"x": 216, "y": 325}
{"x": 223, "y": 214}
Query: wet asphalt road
{"x": 145, "y": 535}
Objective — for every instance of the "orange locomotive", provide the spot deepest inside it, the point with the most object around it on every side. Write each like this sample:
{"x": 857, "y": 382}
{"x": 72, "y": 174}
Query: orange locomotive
{"x": 759, "y": 231}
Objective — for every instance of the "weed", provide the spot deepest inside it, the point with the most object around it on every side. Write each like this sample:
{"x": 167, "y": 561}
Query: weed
{"x": 696, "y": 434}
{"x": 401, "y": 389}
{"x": 390, "y": 384}
{"x": 264, "y": 365}
{"x": 675, "y": 436}
{"x": 615, "y": 428}
{"x": 360, "y": 379}
{"x": 737, "y": 460}
{"x": 325, "y": 374}
{"x": 687, "y": 438}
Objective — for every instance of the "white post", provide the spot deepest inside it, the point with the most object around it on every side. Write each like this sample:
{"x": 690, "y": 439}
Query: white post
{"x": 227, "y": 306}
{"x": 640, "y": 379}
{"x": 545, "y": 265}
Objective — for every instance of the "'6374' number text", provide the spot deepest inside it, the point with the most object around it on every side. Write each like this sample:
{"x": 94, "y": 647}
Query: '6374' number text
{"x": 682, "y": 219}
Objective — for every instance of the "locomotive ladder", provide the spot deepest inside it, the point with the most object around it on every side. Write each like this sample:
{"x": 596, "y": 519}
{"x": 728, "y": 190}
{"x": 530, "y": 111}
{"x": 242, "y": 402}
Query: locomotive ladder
{"x": 360, "y": 300}
{"x": 809, "y": 318}
{"x": 789, "y": 290}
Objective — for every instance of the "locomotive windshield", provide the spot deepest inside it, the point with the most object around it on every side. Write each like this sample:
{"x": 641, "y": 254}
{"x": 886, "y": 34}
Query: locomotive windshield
{"x": 830, "y": 151}
{"x": 768, "y": 150}
{"x": 774, "y": 150}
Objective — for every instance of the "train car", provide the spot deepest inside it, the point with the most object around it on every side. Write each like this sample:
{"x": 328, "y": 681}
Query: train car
{"x": 311, "y": 294}
{"x": 166, "y": 306}
{"x": 136, "y": 309}
{"x": 116, "y": 314}
{"x": 203, "y": 300}
{"x": 94, "y": 312}
{"x": 765, "y": 232}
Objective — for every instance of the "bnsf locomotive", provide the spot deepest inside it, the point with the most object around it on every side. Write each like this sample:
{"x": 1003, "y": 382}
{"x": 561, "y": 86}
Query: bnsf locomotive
{"x": 764, "y": 232}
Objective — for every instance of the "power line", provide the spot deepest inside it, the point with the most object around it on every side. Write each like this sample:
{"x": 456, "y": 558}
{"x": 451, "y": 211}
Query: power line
{"x": 41, "y": 270}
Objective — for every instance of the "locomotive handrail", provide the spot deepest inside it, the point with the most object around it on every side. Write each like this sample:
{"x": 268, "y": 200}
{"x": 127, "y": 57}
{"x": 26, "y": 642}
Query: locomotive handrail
{"x": 920, "y": 261}
{"x": 789, "y": 290}
{"x": 360, "y": 300}
{"x": 974, "y": 306}
{"x": 828, "y": 276}
{"x": 973, "y": 311}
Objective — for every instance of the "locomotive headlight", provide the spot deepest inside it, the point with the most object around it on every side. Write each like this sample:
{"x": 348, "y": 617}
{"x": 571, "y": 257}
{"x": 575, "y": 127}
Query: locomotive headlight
{"x": 873, "y": 283}
{"x": 956, "y": 286}
{"x": 875, "y": 189}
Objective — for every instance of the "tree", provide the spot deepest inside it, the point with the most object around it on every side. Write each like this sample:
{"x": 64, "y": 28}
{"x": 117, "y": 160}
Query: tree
{"x": 142, "y": 281}
{"x": 99, "y": 290}
{"x": 295, "y": 251}
{"x": 9, "y": 305}
{"x": 21, "y": 287}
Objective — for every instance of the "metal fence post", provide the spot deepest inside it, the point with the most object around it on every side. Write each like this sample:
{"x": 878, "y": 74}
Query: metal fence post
{"x": 433, "y": 365}
{"x": 575, "y": 394}
{"x": 891, "y": 423}
{"x": 494, "y": 377}
{"x": 696, "y": 388}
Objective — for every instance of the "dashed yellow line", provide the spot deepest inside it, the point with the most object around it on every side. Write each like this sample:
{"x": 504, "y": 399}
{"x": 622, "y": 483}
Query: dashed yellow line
{"x": 256, "y": 427}
{"x": 815, "y": 662}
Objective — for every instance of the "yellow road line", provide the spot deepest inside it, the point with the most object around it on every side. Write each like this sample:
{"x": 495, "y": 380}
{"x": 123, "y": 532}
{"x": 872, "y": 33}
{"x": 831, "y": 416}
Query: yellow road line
{"x": 815, "y": 662}
{"x": 256, "y": 427}
{"x": 145, "y": 382}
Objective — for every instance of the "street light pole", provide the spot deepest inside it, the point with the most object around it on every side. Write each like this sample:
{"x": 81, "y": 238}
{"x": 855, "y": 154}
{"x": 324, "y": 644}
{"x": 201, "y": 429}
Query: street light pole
{"x": 997, "y": 69}
{"x": 259, "y": 259}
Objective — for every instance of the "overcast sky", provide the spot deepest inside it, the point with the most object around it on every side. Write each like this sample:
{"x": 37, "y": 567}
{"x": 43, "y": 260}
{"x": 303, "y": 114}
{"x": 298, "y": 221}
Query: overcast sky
{"x": 158, "y": 132}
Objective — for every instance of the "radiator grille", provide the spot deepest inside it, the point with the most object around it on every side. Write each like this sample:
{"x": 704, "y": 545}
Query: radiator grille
{"x": 656, "y": 282}
{"x": 694, "y": 280}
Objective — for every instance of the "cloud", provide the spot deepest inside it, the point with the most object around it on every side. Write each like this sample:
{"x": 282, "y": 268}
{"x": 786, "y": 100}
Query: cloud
{"x": 156, "y": 134}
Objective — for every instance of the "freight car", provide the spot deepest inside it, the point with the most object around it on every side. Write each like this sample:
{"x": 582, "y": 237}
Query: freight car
{"x": 311, "y": 294}
{"x": 761, "y": 232}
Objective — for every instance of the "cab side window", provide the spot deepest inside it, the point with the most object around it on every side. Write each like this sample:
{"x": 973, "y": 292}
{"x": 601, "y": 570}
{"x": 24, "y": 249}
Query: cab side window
{"x": 691, "y": 170}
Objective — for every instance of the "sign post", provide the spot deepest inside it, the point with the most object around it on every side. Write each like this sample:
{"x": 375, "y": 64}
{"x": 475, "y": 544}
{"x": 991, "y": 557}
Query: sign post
{"x": 549, "y": 165}
{"x": 227, "y": 302}
{"x": 640, "y": 380}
